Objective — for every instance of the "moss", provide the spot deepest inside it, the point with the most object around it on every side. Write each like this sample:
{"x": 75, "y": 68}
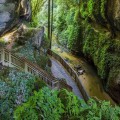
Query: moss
{"x": 75, "y": 38}
{"x": 95, "y": 10}
{"x": 91, "y": 5}
{"x": 96, "y": 45}
{"x": 83, "y": 10}
{"x": 102, "y": 8}
{"x": 103, "y": 51}
{"x": 87, "y": 9}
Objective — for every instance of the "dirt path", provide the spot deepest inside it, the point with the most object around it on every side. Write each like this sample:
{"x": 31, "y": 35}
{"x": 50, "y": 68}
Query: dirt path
{"x": 59, "y": 72}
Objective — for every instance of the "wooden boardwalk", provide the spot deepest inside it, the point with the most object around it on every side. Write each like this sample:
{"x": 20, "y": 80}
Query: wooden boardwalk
{"x": 7, "y": 58}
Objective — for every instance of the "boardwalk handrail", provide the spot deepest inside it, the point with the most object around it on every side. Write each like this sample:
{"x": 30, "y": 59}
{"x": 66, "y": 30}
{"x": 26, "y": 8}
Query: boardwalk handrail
{"x": 71, "y": 71}
{"x": 10, "y": 59}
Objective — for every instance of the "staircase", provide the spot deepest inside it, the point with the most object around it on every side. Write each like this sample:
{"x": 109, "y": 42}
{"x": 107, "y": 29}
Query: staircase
{"x": 7, "y": 58}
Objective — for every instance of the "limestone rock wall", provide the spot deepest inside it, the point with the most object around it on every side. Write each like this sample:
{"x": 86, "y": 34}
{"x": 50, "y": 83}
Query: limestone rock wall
{"x": 113, "y": 13}
{"x": 11, "y": 12}
{"x": 101, "y": 41}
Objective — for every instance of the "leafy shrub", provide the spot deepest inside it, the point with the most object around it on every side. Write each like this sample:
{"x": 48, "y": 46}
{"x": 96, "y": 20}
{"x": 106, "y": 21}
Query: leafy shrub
{"x": 75, "y": 38}
{"x": 83, "y": 10}
{"x": 43, "y": 105}
{"x": 63, "y": 105}
{"x": 103, "y": 6}
{"x": 96, "y": 46}
{"x": 70, "y": 102}
{"x": 15, "y": 88}
{"x": 36, "y": 6}
{"x": 42, "y": 61}
{"x": 91, "y": 4}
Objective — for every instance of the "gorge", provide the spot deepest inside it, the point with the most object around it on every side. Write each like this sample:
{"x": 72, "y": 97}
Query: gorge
{"x": 78, "y": 28}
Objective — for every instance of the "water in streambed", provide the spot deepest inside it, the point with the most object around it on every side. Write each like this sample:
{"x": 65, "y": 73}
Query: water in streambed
{"x": 89, "y": 79}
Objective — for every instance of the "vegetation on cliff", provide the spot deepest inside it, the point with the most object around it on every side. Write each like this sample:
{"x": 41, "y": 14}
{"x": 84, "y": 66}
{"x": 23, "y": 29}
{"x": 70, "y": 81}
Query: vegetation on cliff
{"x": 15, "y": 88}
{"x": 82, "y": 27}
{"x": 87, "y": 27}
{"x": 91, "y": 28}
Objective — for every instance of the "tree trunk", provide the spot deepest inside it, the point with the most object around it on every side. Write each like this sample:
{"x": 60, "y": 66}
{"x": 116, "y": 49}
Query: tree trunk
{"x": 49, "y": 29}
{"x": 51, "y": 21}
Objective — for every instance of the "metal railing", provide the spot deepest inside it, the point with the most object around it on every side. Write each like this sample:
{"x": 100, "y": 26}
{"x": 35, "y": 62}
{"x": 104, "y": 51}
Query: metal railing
{"x": 72, "y": 73}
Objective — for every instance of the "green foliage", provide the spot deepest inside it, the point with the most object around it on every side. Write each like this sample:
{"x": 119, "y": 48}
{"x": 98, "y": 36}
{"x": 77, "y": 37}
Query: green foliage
{"x": 27, "y": 51}
{"x": 83, "y": 10}
{"x": 67, "y": 24}
{"x": 104, "y": 52}
{"x": 76, "y": 33}
{"x": 75, "y": 38}
{"x": 63, "y": 105}
{"x": 91, "y": 4}
{"x": 101, "y": 110}
{"x": 96, "y": 46}
{"x": 102, "y": 8}
{"x": 42, "y": 61}
{"x": 94, "y": 10}
{"x": 2, "y": 42}
{"x": 71, "y": 108}
{"x": 36, "y": 6}
{"x": 43, "y": 105}
{"x": 15, "y": 88}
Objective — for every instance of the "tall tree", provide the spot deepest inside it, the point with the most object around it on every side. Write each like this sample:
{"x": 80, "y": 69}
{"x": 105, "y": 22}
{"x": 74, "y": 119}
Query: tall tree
{"x": 49, "y": 28}
{"x": 52, "y": 18}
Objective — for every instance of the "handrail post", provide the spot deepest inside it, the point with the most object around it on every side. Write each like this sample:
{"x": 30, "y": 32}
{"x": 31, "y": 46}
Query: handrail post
{"x": 9, "y": 59}
{"x": 3, "y": 56}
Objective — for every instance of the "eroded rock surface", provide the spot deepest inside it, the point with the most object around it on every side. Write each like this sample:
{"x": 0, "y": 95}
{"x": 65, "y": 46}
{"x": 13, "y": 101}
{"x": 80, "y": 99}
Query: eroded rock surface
{"x": 11, "y": 12}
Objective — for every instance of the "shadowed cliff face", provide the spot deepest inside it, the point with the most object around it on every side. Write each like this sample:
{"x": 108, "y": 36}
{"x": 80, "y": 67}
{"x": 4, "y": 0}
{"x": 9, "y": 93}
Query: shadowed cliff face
{"x": 104, "y": 21}
{"x": 10, "y": 13}
{"x": 113, "y": 12}
{"x": 99, "y": 40}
